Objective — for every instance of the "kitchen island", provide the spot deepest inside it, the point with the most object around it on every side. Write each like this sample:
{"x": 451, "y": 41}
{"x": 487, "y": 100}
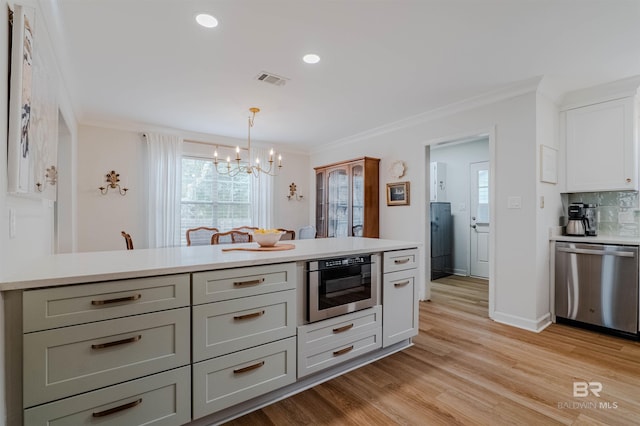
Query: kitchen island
{"x": 190, "y": 335}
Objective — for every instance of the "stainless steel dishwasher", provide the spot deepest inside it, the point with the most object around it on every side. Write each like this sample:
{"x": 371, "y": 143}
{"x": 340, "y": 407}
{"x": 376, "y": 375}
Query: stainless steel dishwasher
{"x": 597, "y": 284}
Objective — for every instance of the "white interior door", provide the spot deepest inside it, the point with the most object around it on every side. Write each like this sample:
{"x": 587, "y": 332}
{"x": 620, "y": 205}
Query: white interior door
{"x": 479, "y": 219}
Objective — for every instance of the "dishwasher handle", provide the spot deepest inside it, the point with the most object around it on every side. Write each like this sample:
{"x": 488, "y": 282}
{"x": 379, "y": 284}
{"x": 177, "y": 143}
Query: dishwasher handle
{"x": 597, "y": 252}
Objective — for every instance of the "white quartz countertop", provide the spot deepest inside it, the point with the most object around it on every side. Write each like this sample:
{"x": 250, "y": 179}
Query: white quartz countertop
{"x": 75, "y": 268}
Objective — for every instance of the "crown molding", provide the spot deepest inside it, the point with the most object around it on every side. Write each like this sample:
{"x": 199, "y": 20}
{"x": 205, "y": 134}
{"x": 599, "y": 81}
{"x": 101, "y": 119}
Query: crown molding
{"x": 213, "y": 139}
{"x": 618, "y": 89}
{"x": 506, "y": 92}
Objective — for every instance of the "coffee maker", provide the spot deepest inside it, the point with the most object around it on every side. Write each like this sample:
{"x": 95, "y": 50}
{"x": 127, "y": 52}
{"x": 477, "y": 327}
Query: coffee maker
{"x": 577, "y": 224}
{"x": 582, "y": 220}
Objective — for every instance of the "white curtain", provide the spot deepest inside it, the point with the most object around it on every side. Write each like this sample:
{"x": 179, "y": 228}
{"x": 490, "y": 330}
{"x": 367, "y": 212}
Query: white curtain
{"x": 165, "y": 159}
{"x": 262, "y": 192}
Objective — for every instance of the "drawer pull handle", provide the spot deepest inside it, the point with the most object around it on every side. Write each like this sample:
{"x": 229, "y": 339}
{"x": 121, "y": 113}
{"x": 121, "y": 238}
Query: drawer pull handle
{"x": 401, "y": 261}
{"x": 402, "y": 284}
{"x": 247, "y": 316}
{"x": 117, "y": 342}
{"x": 116, "y": 409}
{"x": 343, "y": 328}
{"x": 248, "y": 368}
{"x": 119, "y": 299}
{"x": 252, "y": 282}
{"x": 343, "y": 351}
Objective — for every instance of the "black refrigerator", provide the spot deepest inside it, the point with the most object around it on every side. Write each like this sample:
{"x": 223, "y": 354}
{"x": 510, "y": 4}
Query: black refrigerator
{"x": 441, "y": 240}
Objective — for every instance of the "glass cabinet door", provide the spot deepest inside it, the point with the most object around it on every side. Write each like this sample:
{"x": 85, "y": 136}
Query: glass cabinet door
{"x": 338, "y": 202}
{"x": 357, "y": 191}
{"x": 321, "y": 222}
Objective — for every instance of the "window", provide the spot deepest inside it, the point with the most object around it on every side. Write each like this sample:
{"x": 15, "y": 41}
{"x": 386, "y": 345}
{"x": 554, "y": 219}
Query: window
{"x": 210, "y": 199}
{"x": 482, "y": 215}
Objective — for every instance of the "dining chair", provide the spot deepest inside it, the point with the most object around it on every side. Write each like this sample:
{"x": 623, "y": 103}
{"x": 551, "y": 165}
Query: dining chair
{"x": 200, "y": 236}
{"x": 288, "y": 234}
{"x": 231, "y": 237}
{"x": 245, "y": 228}
{"x": 127, "y": 239}
{"x": 307, "y": 232}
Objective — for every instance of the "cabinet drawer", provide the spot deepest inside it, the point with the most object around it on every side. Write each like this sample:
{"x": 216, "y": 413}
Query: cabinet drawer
{"x": 342, "y": 327}
{"x": 231, "y": 379}
{"x": 311, "y": 360}
{"x": 213, "y": 286}
{"x": 399, "y": 306}
{"x": 77, "y": 304}
{"x": 67, "y": 361}
{"x": 225, "y": 327}
{"x": 160, "y": 400}
{"x": 400, "y": 260}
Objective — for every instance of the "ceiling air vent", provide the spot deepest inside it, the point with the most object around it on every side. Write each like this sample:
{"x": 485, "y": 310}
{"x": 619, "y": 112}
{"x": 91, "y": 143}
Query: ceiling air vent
{"x": 271, "y": 78}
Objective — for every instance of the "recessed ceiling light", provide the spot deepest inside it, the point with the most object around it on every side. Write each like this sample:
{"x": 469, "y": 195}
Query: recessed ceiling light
{"x": 206, "y": 20}
{"x": 311, "y": 58}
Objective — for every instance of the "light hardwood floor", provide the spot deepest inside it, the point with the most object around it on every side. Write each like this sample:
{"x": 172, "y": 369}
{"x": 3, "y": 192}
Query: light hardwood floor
{"x": 466, "y": 369}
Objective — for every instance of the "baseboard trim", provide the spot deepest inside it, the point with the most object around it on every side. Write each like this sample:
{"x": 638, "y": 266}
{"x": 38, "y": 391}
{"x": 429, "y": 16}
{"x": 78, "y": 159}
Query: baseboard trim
{"x": 524, "y": 323}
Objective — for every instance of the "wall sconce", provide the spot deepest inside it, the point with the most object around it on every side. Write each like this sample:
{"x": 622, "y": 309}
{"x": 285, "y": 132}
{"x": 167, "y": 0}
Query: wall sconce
{"x": 51, "y": 177}
{"x": 112, "y": 179}
{"x": 293, "y": 193}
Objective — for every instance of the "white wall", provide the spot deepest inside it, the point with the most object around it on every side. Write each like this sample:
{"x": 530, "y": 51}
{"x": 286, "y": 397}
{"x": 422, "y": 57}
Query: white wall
{"x": 549, "y": 204}
{"x": 513, "y": 122}
{"x": 292, "y": 214}
{"x": 458, "y": 157}
{"x": 101, "y": 218}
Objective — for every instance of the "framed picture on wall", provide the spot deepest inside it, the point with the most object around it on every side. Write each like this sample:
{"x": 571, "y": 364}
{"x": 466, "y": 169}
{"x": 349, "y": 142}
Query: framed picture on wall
{"x": 548, "y": 164}
{"x": 398, "y": 194}
{"x": 20, "y": 87}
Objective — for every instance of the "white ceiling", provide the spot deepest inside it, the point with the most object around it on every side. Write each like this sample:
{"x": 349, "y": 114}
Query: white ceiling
{"x": 147, "y": 61}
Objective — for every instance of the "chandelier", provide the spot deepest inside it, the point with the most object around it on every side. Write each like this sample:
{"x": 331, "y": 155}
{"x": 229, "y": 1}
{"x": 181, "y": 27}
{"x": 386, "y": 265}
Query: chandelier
{"x": 249, "y": 167}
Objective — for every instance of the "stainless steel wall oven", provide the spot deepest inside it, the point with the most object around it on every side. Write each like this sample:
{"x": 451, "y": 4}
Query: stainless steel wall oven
{"x": 341, "y": 285}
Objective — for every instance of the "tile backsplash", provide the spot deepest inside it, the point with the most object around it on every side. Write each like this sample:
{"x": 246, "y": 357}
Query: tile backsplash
{"x": 618, "y": 212}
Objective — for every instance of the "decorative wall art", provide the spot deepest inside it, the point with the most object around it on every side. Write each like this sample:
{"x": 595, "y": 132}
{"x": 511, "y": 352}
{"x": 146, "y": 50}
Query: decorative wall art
{"x": 397, "y": 169}
{"x": 398, "y": 194}
{"x": 19, "y": 150}
{"x": 33, "y": 109}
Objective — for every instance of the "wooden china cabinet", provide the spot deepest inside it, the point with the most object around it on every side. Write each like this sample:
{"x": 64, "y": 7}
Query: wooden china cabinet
{"x": 347, "y": 198}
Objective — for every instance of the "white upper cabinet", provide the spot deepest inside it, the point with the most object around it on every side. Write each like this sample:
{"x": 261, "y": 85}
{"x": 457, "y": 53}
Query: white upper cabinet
{"x": 602, "y": 145}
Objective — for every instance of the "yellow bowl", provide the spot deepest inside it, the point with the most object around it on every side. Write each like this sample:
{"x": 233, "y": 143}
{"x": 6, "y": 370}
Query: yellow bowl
{"x": 268, "y": 239}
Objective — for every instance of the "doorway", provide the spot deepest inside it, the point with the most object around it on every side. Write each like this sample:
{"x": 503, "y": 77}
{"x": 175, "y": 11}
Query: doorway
{"x": 467, "y": 188}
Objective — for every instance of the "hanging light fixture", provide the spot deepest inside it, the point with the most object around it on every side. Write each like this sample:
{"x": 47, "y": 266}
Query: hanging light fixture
{"x": 248, "y": 167}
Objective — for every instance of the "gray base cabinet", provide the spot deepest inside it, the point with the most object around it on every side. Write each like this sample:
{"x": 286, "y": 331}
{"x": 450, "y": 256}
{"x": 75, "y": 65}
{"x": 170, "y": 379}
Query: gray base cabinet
{"x": 231, "y": 379}
{"x": 163, "y": 399}
{"x": 400, "y": 296}
{"x": 208, "y": 345}
{"x": 71, "y": 360}
{"x": 244, "y": 326}
{"x": 330, "y": 342}
{"x": 109, "y": 353}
